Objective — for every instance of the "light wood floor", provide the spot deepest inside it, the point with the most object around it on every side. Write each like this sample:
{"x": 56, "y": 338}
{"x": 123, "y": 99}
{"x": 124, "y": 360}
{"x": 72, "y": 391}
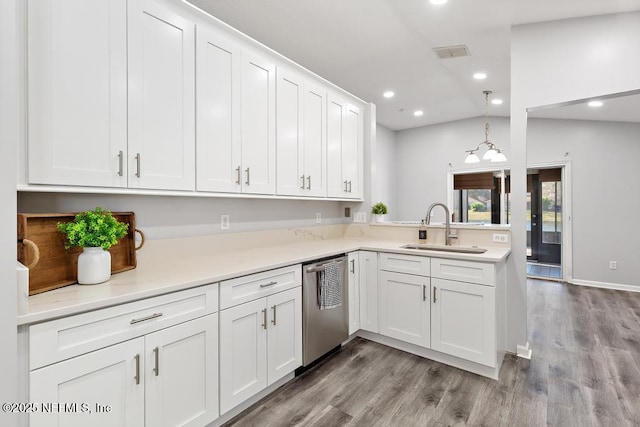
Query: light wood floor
{"x": 585, "y": 371}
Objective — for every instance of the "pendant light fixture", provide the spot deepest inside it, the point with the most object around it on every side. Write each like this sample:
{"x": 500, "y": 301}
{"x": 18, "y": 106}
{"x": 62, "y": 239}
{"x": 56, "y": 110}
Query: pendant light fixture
{"x": 493, "y": 153}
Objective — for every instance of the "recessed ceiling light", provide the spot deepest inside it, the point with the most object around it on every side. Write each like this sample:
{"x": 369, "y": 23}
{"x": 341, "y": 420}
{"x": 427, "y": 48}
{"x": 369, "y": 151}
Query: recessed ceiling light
{"x": 496, "y": 101}
{"x": 438, "y": 1}
{"x": 595, "y": 104}
{"x": 388, "y": 94}
{"x": 418, "y": 113}
{"x": 479, "y": 76}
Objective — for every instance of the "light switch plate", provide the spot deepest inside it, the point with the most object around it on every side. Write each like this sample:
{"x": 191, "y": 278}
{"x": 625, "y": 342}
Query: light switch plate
{"x": 360, "y": 217}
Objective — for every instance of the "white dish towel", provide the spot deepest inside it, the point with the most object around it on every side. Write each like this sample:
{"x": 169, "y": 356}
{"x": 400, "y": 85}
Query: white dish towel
{"x": 330, "y": 286}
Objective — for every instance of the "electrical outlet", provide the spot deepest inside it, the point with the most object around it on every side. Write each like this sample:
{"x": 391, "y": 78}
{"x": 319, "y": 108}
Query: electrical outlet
{"x": 318, "y": 217}
{"x": 360, "y": 217}
{"x": 613, "y": 265}
{"x": 224, "y": 222}
{"x": 501, "y": 238}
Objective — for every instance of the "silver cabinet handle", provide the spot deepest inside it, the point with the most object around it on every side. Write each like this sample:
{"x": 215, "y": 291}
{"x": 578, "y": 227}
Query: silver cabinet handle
{"x": 264, "y": 318}
{"x": 353, "y": 265}
{"x": 143, "y": 319}
{"x": 274, "y": 315}
{"x": 137, "y": 377}
{"x": 156, "y": 369}
{"x": 138, "y": 165}
{"x": 238, "y": 175}
{"x": 120, "y": 162}
{"x": 308, "y": 182}
{"x": 302, "y": 178}
{"x": 424, "y": 292}
{"x": 248, "y": 182}
{"x": 349, "y": 186}
{"x": 266, "y": 285}
{"x": 345, "y": 186}
{"x": 434, "y": 294}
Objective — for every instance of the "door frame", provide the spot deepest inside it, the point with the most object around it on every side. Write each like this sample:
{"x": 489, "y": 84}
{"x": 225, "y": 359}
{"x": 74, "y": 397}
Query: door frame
{"x": 566, "y": 257}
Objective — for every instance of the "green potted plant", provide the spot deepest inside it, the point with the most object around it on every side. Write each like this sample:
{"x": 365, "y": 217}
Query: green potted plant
{"x": 95, "y": 231}
{"x": 379, "y": 210}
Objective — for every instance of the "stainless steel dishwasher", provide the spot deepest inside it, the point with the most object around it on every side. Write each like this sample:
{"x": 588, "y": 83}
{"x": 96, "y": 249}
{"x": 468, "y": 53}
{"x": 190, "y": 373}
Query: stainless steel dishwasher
{"x": 322, "y": 330}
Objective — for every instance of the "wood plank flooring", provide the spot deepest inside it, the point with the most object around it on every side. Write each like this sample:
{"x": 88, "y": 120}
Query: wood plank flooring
{"x": 585, "y": 371}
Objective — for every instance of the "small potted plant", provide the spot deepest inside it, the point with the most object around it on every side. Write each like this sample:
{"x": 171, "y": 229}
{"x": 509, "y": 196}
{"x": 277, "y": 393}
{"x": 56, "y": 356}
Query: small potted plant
{"x": 380, "y": 211}
{"x": 94, "y": 231}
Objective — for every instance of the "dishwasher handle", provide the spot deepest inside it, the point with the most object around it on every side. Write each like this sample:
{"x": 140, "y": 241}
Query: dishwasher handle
{"x": 317, "y": 268}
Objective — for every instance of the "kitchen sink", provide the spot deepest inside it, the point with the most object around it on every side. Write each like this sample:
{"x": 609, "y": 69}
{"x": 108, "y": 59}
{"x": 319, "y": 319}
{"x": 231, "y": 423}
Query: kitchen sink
{"x": 443, "y": 248}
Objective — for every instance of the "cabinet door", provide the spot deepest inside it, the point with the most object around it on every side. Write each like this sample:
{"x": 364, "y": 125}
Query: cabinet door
{"x": 243, "y": 352}
{"x": 113, "y": 376}
{"x": 285, "y": 333}
{"x": 337, "y": 185}
{"x": 77, "y": 78}
{"x": 258, "y": 125}
{"x": 290, "y": 171}
{"x": 218, "y": 71}
{"x": 161, "y": 97}
{"x": 369, "y": 291}
{"x": 352, "y": 151}
{"x": 181, "y": 375}
{"x": 463, "y": 320}
{"x": 404, "y": 307}
{"x": 315, "y": 140}
{"x": 354, "y": 292}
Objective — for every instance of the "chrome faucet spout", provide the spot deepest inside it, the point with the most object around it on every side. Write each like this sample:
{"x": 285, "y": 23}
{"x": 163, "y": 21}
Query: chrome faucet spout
{"x": 447, "y": 231}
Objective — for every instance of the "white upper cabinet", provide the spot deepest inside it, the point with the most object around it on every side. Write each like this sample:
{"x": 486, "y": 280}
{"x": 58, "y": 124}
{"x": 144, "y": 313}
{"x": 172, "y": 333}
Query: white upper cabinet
{"x": 289, "y": 134}
{"x": 344, "y": 149}
{"x": 112, "y": 103}
{"x": 301, "y": 136}
{"x": 218, "y": 65}
{"x": 161, "y": 97}
{"x": 258, "y": 115}
{"x": 315, "y": 139}
{"x": 77, "y": 85}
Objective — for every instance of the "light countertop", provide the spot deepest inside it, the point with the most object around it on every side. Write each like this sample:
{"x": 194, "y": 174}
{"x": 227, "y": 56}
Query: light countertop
{"x": 182, "y": 267}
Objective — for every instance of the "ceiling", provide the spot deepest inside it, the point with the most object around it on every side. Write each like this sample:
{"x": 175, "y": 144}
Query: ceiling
{"x": 370, "y": 46}
{"x": 618, "y": 109}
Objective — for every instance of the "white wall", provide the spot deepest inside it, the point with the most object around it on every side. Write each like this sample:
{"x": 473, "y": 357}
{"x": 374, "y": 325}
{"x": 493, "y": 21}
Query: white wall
{"x": 426, "y": 154}
{"x": 385, "y": 173}
{"x": 605, "y": 174}
{"x": 551, "y": 63}
{"x": 9, "y": 134}
{"x": 167, "y": 217}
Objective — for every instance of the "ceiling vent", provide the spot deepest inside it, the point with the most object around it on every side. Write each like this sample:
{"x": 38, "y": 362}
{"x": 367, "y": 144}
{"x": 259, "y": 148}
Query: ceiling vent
{"x": 447, "y": 52}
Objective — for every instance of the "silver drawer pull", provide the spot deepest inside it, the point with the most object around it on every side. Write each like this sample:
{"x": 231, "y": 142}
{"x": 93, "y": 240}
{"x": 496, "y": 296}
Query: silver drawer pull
{"x": 120, "y": 162}
{"x": 266, "y": 285}
{"x": 144, "y": 319}
{"x": 156, "y": 352}
{"x": 302, "y": 178}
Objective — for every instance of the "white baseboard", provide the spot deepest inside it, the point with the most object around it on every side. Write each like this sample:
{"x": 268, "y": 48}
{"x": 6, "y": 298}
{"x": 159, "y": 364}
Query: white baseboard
{"x": 606, "y": 285}
{"x": 524, "y": 351}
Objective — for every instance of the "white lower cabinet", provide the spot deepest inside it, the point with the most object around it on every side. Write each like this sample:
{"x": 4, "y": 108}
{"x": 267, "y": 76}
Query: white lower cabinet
{"x": 103, "y": 377}
{"x": 354, "y": 291}
{"x": 260, "y": 342}
{"x": 463, "y": 320}
{"x": 166, "y": 378}
{"x": 445, "y": 305}
{"x": 404, "y": 307}
{"x": 368, "y": 281}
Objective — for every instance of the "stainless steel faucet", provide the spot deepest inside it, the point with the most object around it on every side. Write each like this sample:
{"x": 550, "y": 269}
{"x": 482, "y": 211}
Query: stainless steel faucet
{"x": 447, "y": 232}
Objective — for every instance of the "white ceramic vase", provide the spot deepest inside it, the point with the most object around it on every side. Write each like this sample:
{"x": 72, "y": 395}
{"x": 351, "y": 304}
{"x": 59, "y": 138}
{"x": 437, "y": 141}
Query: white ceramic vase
{"x": 381, "y": 218}
{"x": 94, "y": 266}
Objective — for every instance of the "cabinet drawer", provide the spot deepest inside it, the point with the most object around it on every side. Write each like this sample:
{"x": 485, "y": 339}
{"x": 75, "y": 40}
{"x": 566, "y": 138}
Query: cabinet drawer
{"x": 249, "y": 288}
{"x": 409, "y": 264}
{"x": 61, "y": 339}
{"x": 463, "y": 271}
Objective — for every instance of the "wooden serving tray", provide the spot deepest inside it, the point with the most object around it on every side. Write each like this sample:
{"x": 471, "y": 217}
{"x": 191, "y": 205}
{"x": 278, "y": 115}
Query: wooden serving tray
{"x": 52, "y": 266}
